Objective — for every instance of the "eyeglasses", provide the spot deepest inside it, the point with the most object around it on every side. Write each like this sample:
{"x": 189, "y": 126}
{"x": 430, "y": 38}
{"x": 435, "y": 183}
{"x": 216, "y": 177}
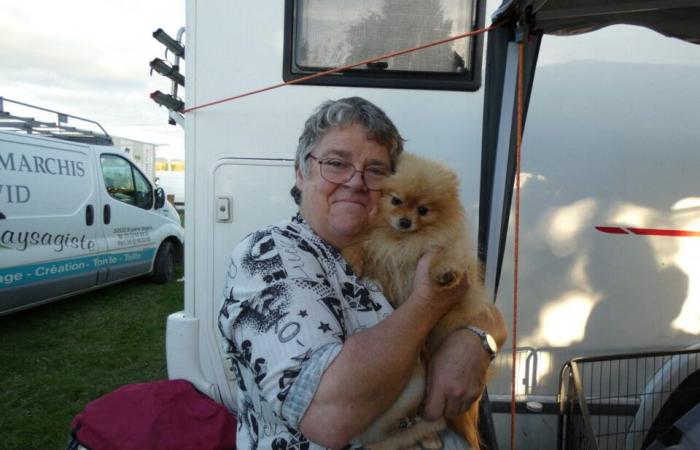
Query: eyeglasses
{"x": 339, "y": 171}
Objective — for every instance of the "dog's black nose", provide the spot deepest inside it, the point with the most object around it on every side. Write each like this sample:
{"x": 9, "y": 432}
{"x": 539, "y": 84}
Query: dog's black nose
{"x": 405, "y": 222}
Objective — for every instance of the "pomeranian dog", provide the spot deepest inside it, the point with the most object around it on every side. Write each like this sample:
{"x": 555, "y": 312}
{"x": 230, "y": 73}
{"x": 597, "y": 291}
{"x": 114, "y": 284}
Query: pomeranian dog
{"x": 420, "y": 211}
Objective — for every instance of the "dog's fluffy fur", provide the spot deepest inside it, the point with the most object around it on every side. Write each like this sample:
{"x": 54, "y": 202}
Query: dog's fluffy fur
{"x": 420, "y": 211}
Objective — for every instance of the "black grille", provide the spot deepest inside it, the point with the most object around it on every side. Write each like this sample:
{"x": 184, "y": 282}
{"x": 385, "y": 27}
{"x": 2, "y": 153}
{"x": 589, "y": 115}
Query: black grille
{"x": 626, "y": 401}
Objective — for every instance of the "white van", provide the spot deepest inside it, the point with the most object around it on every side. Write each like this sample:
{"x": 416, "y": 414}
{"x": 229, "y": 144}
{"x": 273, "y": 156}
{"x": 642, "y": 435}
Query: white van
{"x": 76, "y": 214}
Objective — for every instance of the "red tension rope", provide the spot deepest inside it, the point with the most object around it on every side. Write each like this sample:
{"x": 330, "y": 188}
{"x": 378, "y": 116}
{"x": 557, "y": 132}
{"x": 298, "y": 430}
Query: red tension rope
{"x": 516, "y": 246}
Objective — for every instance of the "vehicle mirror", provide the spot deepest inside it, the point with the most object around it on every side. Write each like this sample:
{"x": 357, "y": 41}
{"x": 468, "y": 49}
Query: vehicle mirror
{"x": 160, "y": 198}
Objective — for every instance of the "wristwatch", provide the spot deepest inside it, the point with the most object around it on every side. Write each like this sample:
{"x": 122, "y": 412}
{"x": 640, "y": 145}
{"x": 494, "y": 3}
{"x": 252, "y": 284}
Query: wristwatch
{"x": 487, "y": 341}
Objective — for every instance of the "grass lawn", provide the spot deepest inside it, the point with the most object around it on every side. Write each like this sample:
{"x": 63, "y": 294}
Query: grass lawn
{"x": 56, "y": 358}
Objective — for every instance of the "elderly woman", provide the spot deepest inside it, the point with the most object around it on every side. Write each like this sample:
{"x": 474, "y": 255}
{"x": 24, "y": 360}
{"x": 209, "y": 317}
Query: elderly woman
{"x": 318, "y": 353}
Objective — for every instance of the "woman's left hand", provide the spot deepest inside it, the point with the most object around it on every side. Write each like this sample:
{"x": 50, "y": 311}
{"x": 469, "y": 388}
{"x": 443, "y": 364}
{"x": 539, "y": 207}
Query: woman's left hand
{"x": 456, "y": 375}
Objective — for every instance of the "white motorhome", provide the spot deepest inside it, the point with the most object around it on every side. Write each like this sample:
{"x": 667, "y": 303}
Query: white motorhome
{"x": 170, "y": 175}
{"x": 76, "y": 213}
{"x": 610, "y": 224}
{"x": 143, "y": 154}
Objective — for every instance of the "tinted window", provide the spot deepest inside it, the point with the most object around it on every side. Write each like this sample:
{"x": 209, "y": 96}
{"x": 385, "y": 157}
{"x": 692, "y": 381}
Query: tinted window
{"x": 125, "y": 183}
{"x": 143, "y": 191}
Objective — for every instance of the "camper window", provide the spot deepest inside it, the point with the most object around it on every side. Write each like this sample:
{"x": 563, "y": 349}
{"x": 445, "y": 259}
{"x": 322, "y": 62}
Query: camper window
{"x": 125, "y": 183}
{"x": 177, "y": 165}
{"x": 318, "y": 37}
{"x": 162, "y": 164}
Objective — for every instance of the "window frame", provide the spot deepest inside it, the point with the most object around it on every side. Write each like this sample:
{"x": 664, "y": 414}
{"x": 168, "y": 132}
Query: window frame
{"x": 469, "y": 81}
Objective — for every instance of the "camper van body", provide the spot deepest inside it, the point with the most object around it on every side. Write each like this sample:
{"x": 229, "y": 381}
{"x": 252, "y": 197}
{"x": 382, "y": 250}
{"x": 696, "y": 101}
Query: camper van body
{"x": 170, "y": 175}
{"x": 77, "y": 216}
{"x": 600, "y": 160}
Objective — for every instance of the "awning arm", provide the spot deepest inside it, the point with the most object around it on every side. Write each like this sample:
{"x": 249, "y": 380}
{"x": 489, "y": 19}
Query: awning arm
{"x": 499, "y": 139}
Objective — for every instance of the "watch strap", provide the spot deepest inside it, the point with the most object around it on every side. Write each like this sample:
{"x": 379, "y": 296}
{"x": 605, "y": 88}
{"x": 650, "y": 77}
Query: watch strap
{"x": 484, "y": 336}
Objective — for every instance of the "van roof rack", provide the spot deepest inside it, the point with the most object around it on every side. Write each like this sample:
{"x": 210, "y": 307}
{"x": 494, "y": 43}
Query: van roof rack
{"x": 59, "y": 129}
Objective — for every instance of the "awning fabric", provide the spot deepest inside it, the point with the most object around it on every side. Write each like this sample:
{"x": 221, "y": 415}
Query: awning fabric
{"x": 530, "y": 20}
{"x": 674, "y": 18}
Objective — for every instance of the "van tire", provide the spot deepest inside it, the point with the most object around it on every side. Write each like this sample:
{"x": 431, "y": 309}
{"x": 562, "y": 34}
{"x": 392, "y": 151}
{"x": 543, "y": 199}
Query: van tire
{"x": 164, "y": 265}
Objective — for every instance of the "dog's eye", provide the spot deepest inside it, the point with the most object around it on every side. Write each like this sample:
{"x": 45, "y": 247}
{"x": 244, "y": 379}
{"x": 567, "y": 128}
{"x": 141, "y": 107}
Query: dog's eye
{"x": 396, "y": 201}
{"x": 422, "y": 210}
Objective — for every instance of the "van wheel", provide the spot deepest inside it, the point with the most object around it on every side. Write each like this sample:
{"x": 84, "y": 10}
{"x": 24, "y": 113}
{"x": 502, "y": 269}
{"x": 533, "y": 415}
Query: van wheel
{"x": 164, "y": 266}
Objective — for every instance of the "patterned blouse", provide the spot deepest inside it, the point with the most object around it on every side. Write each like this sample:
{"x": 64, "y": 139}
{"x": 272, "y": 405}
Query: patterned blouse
{"x": 290, "y": 302}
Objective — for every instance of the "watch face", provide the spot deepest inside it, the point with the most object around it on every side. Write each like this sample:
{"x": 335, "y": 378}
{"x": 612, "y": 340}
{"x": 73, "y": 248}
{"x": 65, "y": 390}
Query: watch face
{"x": 491, "y": 342}
{"x": 487, "y": 340}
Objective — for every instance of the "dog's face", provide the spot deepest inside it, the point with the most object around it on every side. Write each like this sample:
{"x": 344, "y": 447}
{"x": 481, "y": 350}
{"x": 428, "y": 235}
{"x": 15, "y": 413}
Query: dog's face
{"x": 421, "y": 196}
{"x": 408, "y": 213}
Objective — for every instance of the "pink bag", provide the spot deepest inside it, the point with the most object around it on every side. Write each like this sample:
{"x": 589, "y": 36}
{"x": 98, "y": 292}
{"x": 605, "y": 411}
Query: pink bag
{"x": 168, "y": 414}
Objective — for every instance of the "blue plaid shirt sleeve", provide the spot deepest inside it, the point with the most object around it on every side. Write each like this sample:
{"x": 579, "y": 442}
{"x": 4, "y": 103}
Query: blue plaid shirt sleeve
{"x": 304, "y": 389}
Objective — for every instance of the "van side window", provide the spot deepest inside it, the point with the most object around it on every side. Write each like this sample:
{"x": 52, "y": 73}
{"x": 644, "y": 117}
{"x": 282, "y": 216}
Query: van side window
{"x": 125, "y": 183}
{"x": 144, "y": 193}
{"x": 318, "y": 38}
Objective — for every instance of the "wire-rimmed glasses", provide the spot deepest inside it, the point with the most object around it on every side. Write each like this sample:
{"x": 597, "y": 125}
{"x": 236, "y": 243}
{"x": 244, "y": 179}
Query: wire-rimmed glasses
{"x": 339, "y": 171}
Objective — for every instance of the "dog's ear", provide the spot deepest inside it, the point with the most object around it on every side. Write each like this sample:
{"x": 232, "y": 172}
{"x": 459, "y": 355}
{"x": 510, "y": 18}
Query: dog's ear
{"x": 452, "y": 178}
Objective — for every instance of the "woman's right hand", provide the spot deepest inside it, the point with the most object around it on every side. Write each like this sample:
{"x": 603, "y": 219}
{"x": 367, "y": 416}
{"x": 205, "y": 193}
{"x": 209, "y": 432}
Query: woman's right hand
{"x": 440, "y": 298}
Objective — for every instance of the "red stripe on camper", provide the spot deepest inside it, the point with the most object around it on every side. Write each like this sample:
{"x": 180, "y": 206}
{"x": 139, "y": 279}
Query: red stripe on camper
{"x": 649, "y": 231}
{"x": 612, "y": 230}
{"x": 657, "y": 232}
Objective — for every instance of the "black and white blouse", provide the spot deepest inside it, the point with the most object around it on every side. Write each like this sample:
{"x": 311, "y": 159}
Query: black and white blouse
{"x": 290, "y": 302}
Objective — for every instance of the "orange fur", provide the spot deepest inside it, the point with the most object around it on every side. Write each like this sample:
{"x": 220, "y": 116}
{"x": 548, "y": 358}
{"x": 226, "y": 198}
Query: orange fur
{"x": 424, "y": 193}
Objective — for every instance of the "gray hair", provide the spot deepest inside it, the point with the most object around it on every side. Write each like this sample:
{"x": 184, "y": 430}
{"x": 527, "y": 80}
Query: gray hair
{"x": 334, "y": 114}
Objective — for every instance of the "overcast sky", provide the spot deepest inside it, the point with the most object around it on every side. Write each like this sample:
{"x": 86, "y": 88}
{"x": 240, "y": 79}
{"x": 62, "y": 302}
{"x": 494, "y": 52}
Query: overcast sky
{"x": 90, "y": 58}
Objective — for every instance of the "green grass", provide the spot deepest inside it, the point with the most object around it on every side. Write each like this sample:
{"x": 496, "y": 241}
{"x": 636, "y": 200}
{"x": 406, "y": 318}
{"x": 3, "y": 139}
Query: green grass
{"x": 56, "y": 358}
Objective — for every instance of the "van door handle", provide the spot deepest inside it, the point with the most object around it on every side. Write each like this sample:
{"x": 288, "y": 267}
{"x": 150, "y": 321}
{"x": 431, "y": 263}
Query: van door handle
{"x": 107, "y": 214}
{"x": 89, "y": 215}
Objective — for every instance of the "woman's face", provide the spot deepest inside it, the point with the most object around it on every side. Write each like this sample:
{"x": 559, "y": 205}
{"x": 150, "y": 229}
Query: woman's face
{"x": 339, "y": 212}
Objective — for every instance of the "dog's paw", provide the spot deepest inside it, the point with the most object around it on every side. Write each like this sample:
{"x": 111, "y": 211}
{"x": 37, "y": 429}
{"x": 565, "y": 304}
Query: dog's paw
{"x": 448, "y": 278}
{"x": 446, "y": 271}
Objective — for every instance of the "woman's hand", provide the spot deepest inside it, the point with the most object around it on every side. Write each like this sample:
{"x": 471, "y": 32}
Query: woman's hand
{"x": 456, "y": 375}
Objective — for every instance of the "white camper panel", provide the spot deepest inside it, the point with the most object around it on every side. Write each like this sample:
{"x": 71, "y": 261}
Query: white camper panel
{"x": 236, "y": 48}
